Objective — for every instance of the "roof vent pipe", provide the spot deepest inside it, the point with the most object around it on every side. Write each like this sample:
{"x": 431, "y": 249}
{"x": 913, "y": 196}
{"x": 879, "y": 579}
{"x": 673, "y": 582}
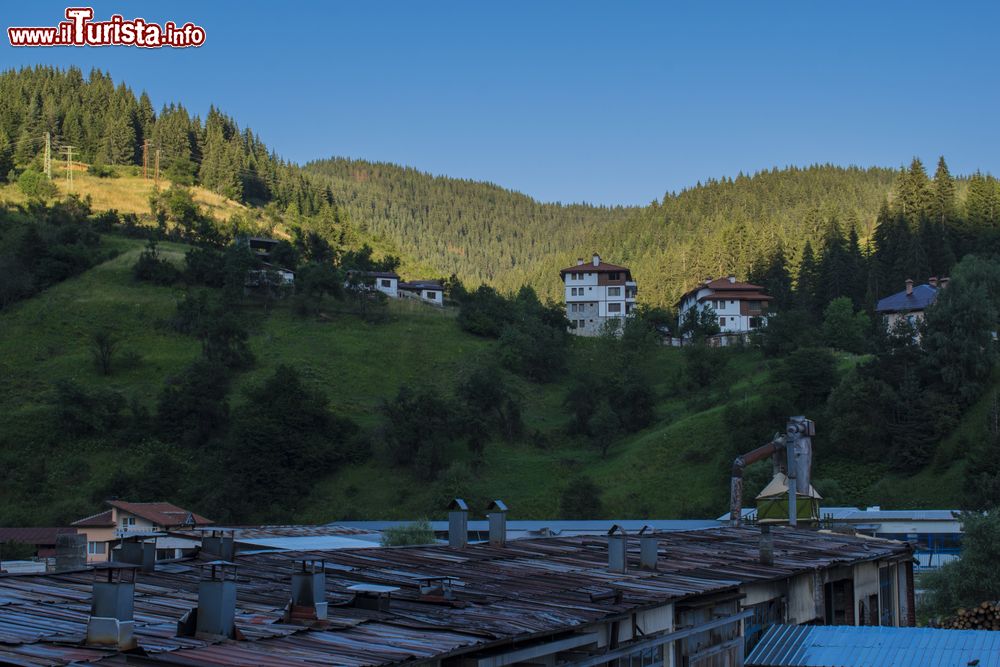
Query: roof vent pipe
{"x": 617, "y": 549}
{"x": 111, "y": 608}
{"x": 649, "y": 548}
{"x": 309, "y": 592}
{"x": 909, "y": 286}
{"x": 579, "y": 261}
{"x": 496, "y": 513}
{"x": 766, "y": 545}
{"x": 458, "y": 523}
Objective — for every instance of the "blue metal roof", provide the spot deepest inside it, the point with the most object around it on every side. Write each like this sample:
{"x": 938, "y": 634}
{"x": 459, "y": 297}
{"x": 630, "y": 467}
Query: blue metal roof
{"x": 901, "y": 302}
{"x": 850, "y": 646}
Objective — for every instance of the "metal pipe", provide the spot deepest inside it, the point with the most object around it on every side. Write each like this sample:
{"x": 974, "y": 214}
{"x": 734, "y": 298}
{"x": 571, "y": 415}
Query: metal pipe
{"x": 736, "y": 484}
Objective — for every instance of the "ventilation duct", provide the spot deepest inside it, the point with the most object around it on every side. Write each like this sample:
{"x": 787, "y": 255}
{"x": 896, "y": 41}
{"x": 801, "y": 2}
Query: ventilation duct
{"x": 139, "y": 550}
{"x": 373, "y": 597}
{"x": 215, "y": 615}
{"x": 496, "y": 513}
{"x": 458, "y": 524}
{"x": 649, "y": 548}
{"x": 219, "y": 543}
{"x": 309, "y": 592}
{"x": 71, "y": 551}
{"x": 617, "y": 549}
{"x": 111, "y": 612}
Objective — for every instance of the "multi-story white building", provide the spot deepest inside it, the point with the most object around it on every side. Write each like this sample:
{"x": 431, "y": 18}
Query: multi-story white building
{"x": 739, "y": 307}
{"x": 595, "y": 293}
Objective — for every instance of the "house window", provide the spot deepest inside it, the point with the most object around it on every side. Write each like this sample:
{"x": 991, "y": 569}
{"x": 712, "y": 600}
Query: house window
{"x": 614, "y": 291}
{"x": 718, "y": 304}
{"x": 722, "y": 321}
{"x": 581, "y": 323}
{"x": 128, "y": 521}
{"x": 756, "y": 322}
{"x": 95, "y": 548}
{"x": 386, "y": 283}
{"x": 614, "y": 308}
{"x": 613, "y": 275}
{"x": 432, "y": 295}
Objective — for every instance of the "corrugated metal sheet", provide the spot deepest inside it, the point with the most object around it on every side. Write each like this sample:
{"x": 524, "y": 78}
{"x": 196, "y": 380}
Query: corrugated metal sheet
{"x": 849, "y": 646}
{"x": 528, "y": 588}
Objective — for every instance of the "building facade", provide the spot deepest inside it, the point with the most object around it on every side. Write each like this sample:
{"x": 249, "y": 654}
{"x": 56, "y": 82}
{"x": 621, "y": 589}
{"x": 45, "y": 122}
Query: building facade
{"x": 596, "y": 293}
{"x": 909, "y": 304}
{"x": 123, "y": 518}
{"x": 428, "y": 291}
{"x": 739, "y": 307}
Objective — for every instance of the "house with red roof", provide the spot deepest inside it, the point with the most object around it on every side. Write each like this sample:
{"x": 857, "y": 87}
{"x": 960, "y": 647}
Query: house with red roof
{"x": 123, "y": 518}
{"x": 740, "y": 307}
{"x": 597, "y": 292}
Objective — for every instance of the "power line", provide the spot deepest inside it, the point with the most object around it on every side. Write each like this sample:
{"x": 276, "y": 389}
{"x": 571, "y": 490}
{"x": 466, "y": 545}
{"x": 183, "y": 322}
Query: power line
{"x": 48, "y": 155}
{"x": 69, "y": 167}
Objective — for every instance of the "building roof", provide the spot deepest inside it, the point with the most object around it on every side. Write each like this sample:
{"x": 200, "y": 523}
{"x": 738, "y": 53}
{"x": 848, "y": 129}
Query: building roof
{"x": 901, "y": 302}
{"x": 519, "y": 528}
{"x": 733, "y": 289}
{"x": 40, "y": 536}
{"x": 422, "y": 285}
{"x": 377, "y": 274}
{"x": 588, "y": 267}
{"x": 854, "y": 514}
{"x": 526, "y": 589}
{"x": 162, "y": 514}
{"x": 746, "y": 295}
{"x": 873, "y": 646}
{"x": 99, "y": 520}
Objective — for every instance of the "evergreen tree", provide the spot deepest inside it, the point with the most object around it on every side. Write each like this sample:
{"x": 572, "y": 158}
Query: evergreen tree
{"x": 6, "y": 156}
{"x": 119, "y": 143}
{"x": 913, "y": 192}
{"x": 808, "y": 285}
{"x": 943, "y": 205}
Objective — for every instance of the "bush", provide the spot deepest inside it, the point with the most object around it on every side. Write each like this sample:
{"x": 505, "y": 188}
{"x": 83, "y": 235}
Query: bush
{"x": 101, "y": 170}
{"x": 150, "y": 267}
{"x": 581, "y": 499}
{"x": 843, "y": 328}
{"x": 82, "y": 412}
{"x": 205, "y": 266}
{"x": 36, "y": 185}
{"x": 103, "y": 346}
{"x": 418, "y": 532}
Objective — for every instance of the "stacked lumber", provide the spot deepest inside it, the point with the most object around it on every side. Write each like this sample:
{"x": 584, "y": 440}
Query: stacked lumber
{"x": 985, "y": 616}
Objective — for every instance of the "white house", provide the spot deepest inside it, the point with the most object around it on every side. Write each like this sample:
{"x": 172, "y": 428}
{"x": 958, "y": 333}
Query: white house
{"x": 597, "y": 292}
{"x": 105, "y": 528}
{"x": 429, "y": 291}
{"x": 739, "y": 307}
{"x": 911, "y": 303}
{"x": 386, "y": 282}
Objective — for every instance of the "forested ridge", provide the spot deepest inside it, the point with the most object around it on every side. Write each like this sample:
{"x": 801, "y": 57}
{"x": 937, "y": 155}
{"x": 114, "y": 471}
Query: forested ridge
{"x": 480, "y": 232}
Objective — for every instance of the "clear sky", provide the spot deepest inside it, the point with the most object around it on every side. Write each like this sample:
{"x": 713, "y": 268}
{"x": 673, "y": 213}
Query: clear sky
{"x": 605, "y": 102}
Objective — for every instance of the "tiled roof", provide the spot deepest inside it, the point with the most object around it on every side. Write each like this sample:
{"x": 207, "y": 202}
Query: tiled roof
{"x": 101, "y": 519}
{"x": 724, "y": 284}
{"x": 162, "y": 514}
{"x": 33, "y": 535}
{"x": 746, "y": 295}
{"x": 588, "y": 267}
{"x": 901, "y": 302}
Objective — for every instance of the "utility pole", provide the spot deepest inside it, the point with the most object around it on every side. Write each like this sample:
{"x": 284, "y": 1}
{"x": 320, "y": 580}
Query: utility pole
{"x": 69, "y": 168}
{"x": 48, "y": 155}
{"x": 145, "y": 158}
{"x": 157, "y": 171}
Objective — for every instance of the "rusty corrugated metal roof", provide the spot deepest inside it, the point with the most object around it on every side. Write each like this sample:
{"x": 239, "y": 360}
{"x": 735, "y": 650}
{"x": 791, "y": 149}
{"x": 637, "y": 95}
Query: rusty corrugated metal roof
{"x": 525, "y": 589}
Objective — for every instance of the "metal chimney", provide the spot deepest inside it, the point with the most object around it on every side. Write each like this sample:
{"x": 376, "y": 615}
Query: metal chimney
{"x": 798, "y": 443}
{"x": 766, "y": 545}
{"x": 496, "y": 513}
{"x": 617, "y": 549}
{"x": 219, "y": 543}
{"x": 458, "y": 523}
{"x": 216, "y": 612}
{"x": 111, "y": 607}
{"x": 649, "y": 548}
{"x": 137, "y": 550}
{"x": 309, "y": 592}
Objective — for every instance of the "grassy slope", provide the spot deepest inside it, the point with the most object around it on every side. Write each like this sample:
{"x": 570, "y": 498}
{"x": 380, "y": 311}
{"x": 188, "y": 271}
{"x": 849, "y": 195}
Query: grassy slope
{"x": 656, "y": 472}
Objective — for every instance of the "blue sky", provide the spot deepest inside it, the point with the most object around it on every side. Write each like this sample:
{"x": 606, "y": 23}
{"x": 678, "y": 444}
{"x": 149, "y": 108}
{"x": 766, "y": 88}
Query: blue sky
{"x": 577, "y": 101}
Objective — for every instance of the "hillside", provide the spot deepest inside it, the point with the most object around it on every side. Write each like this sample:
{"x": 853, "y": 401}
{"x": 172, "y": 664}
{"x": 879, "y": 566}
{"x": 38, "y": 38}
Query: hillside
{"x": 675, "y": 468}
{"x": 484, "y": 233}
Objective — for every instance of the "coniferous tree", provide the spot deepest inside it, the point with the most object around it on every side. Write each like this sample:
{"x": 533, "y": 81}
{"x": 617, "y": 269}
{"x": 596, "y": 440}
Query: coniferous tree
{"x": 119, "y": 140}
{"x": 6, "y": 156}
{"x": 943, "y": 206}
{"x": 913, "y": 192}
{"x": 808, "y": 286}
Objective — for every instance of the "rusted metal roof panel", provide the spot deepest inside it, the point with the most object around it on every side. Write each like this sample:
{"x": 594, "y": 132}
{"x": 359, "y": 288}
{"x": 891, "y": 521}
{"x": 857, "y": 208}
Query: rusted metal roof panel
{"x": 528, "y": 588}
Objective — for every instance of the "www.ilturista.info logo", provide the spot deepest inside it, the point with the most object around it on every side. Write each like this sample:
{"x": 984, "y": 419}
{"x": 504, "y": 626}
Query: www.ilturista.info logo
{"x": 81, "y": 30}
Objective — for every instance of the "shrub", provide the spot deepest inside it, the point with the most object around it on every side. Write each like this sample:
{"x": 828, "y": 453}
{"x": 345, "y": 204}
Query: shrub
{"x": 581, "y": 499}
{"x": 36, "y": 185}
{"x": 150, "y": 267}
{"x": 418, "y": 532}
